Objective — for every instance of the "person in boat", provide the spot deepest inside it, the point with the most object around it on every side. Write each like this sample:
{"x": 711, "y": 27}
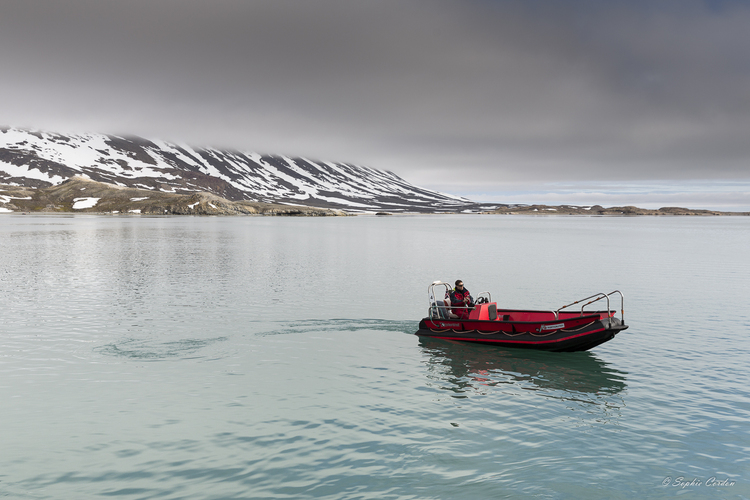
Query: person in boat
{"x": 459, "y": 300}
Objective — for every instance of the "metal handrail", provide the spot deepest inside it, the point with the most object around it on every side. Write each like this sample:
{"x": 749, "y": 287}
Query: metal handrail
{"x": 599, "y": 296}
{"x": 434, "y": 308}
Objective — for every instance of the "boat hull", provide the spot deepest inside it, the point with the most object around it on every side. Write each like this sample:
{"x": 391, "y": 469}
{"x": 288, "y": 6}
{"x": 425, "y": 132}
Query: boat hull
{"x": 573, "y": 334}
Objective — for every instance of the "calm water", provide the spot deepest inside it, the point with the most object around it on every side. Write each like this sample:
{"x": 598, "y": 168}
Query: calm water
{"x": 227, "y": 358}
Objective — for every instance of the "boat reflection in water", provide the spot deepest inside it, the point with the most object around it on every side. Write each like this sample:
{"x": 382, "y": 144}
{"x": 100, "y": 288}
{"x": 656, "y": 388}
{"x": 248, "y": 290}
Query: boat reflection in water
{"x": 467, "y": 370}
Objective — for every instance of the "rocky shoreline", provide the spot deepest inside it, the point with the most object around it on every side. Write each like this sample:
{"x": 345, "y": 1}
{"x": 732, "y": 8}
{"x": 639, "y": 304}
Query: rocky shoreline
{"x": 599, "y": 210}
{"x": 80, "y": 195}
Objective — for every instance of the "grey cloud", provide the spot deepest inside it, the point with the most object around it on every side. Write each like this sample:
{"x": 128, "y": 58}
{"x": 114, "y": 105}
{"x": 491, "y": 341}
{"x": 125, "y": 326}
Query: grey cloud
{"x": 507, "y": 91}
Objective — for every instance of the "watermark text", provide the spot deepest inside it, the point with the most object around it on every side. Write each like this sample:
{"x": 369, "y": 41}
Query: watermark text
{"x": 694, "y": 482}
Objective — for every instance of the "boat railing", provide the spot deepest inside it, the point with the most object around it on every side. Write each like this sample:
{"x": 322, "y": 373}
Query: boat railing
{"x": 437, "y": 310}
{"x": 595, "y": 298}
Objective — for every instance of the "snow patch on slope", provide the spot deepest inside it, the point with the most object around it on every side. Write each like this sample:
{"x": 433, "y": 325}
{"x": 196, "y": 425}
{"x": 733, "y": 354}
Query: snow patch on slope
{"x": 81, "y": 203}
{"x": 29, "y": 173}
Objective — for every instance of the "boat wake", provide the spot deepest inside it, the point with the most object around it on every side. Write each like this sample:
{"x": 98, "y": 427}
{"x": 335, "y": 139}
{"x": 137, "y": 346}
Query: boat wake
{"x": 339, "y": 325}
{"x": 212, "y": 348}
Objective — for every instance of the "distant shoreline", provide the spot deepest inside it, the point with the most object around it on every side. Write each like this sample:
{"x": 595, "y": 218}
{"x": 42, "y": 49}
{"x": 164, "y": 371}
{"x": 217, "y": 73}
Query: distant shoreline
{"x": 84, "y": 196}
{"x": 619, "y": 211}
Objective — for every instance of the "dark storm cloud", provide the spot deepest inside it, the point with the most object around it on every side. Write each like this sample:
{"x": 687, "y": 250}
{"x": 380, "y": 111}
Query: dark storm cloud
{"x": 509, "y": 91}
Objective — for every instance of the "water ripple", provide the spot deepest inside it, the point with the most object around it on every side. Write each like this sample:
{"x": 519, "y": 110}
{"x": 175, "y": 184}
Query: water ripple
{"x": 151, "y": 350}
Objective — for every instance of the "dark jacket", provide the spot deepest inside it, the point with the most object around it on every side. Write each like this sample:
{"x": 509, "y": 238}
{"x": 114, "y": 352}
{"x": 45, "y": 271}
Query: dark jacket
{"x": 456, "y": 299}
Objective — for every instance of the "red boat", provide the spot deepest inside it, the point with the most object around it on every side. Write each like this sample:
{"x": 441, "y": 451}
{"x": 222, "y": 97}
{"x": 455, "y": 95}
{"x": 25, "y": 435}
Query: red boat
{"x": 553, "y": 330}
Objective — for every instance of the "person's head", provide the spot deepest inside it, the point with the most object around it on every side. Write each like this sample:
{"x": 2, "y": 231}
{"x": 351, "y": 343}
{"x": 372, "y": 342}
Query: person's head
{"x": 460, "y": 284}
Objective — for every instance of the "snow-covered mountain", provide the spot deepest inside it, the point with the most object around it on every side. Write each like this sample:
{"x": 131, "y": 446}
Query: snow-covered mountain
{"x": 42, "y": 159}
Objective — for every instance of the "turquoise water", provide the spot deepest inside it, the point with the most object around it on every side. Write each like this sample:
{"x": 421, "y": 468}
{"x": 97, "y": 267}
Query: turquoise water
{"x": 227, "y": 358}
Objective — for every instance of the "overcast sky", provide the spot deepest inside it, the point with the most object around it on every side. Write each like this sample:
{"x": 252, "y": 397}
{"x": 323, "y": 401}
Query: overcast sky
{"x": 637, "y": 102}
